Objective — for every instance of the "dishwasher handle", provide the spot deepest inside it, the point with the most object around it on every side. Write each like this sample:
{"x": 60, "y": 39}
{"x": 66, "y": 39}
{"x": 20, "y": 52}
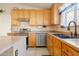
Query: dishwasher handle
{"x": 16, "y": 53}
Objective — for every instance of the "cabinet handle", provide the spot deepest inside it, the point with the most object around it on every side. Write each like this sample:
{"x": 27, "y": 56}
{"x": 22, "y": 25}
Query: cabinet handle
{"x": 67, "y": 50}
{"x": 16, "y": 53}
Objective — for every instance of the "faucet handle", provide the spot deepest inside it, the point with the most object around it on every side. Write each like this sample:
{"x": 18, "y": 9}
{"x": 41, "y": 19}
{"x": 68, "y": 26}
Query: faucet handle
{"x": 75, "y": 34}
{"x": 68, "y": 28}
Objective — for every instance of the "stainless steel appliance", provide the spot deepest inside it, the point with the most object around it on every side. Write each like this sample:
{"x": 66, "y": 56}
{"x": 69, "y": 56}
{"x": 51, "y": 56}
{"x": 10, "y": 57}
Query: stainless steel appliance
{"x": 40, "y": 39}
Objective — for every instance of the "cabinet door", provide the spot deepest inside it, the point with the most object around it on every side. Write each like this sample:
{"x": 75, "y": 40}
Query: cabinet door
{"x": 47, "y": 40}
{"x": 55, "y": 14}
{"x": 57, "y": 47}
{"x": 49, "y": 44}
{"x": 14, "y": 22}
{"x": 69, "y": 51}
{"x": 52, "y": 15}
{"x": 20, "y": 47}
{"x": 32, "y": 17}
{"x": 26, "y": 14}
{"x": 46, "y": 17}
{"x": 64, "y": 54}
{"x": 20, "y": 14}
{"x": 65, "y": 50}
{"x": 14, "y": 17}
{"x": 32, "y": 40}
{"x": 39, "y": 17}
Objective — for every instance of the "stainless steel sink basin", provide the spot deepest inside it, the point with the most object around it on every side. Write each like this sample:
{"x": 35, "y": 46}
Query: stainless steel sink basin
{"x": 64, "y": 36}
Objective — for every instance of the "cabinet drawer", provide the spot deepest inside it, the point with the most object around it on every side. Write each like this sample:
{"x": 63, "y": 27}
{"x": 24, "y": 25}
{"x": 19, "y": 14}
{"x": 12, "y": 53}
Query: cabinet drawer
{"x": 64, "y": 54}
{"x": 69, "y": 51}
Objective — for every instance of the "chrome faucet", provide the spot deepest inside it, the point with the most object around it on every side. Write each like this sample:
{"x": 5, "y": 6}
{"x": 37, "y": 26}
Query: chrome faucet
{"x": 75, "y": 33}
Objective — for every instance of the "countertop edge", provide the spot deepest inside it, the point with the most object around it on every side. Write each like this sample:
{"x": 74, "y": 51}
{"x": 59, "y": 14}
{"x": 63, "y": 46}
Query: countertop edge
{"x": 63, "y": 40}
{"x": 10, "y": 44}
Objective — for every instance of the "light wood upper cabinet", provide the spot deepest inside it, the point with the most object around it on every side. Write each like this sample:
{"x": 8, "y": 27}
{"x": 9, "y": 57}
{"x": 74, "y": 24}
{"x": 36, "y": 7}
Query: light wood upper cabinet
{"x": 39, "y": 17}
{"x": 32, "y": 40}
{"x": 14, "y": 14}
{"x": 55, "y": 18}
{"x": 14, "y": 17}
{"x": 23, "y": 13}
{"x": 26, "y": 14}
{"x": 17, "y": 14}
{"x": 46, "y": 17}
{"x": 52, "y": 15}
{"x": 36, "y": 17}
{"x": 32, "y": 17}
{"x": 20, "y": 14}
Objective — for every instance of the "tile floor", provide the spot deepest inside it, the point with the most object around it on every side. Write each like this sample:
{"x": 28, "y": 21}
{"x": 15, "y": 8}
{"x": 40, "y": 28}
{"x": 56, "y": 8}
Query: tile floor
{"x": 36, "y": 51}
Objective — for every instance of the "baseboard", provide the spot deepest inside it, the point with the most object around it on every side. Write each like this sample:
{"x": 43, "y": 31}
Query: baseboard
{"x": 36, "y": 47}
{"x": 40, "y": 46}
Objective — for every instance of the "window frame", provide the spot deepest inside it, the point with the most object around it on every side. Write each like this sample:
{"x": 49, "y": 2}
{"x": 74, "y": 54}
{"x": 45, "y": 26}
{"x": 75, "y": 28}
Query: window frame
{"x": 75, "y": 15}
{"x": 68, "y": 11}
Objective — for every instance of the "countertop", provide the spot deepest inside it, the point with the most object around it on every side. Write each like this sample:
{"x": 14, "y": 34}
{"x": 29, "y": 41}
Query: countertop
{"x": 17, "y": 34}
{"x": 72, "y": 42}
{"x": 7, "y": 42}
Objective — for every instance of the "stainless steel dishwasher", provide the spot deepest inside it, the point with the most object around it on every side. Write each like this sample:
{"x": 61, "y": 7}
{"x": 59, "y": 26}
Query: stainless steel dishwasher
{"x": 40, "y": 39}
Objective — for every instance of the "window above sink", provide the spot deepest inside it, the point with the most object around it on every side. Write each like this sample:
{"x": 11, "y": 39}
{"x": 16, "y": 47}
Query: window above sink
{"x": 70, "y": 14}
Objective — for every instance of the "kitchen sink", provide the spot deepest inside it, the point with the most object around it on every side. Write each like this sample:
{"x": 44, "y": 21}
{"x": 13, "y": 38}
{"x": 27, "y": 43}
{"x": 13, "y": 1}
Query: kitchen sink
{"x": 64, "y": 36}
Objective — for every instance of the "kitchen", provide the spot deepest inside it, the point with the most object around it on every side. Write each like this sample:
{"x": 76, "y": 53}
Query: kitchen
{"x": 39, "y": 29}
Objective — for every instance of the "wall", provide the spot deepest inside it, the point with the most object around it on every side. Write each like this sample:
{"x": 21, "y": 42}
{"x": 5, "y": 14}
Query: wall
{"x": 72, "y": 29}
{"x": 41, "y": 28}
{"x": 5, "y": 17}
{"x": 4, "y": 24}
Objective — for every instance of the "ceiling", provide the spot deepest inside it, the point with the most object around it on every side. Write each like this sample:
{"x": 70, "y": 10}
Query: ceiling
{"x": 35, "y": 5}
{"x": 38, "y": 5}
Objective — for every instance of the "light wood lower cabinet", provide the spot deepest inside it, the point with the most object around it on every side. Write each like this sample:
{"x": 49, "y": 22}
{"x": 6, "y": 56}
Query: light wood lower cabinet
{"x": 68, "y": 51}
{"x": 49, "y": 44}
{"x": 32, "y": 40}
{"x": 53, "y": 45}
{"x": 59, "y": 48}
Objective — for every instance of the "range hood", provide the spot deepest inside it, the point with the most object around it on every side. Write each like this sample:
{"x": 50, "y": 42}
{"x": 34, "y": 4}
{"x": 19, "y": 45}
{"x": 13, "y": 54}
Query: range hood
{"x": 23, "y": 20}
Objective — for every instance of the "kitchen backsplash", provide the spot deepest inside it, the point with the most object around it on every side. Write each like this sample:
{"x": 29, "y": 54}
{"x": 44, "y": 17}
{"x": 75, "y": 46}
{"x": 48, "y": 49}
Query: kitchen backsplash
{"x": 71, "y": 29}
{"x": 36, "y": 28}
